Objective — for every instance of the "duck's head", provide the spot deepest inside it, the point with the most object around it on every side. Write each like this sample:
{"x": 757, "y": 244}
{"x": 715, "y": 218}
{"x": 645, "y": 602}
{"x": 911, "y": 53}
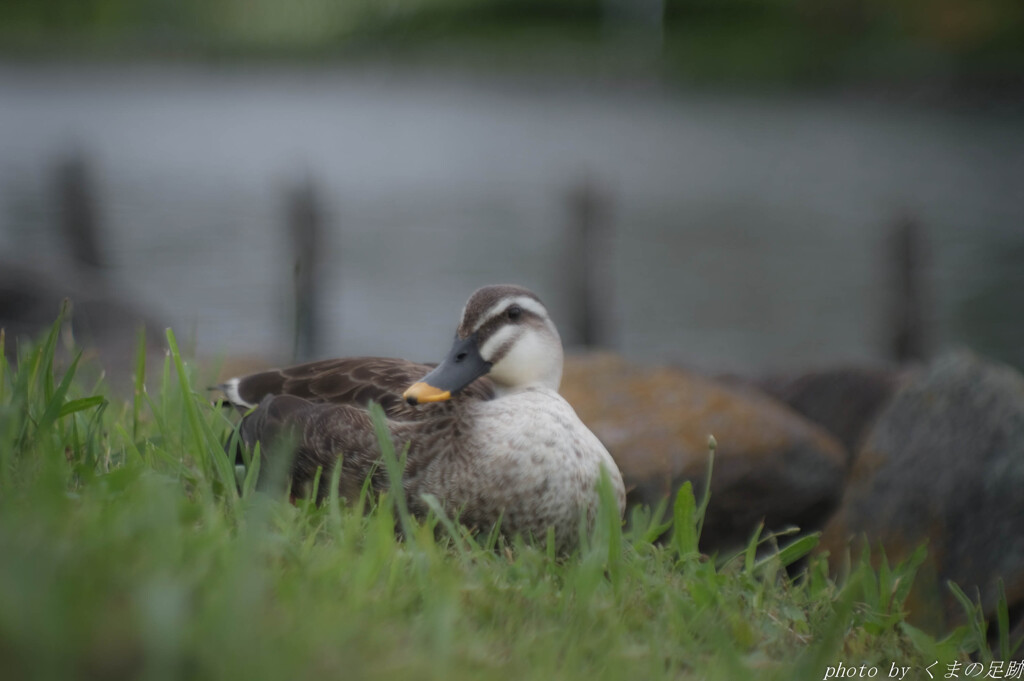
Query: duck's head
{"x": 505, "y": 332}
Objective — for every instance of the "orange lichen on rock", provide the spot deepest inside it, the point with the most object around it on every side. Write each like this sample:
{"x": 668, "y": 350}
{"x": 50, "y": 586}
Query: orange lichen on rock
{"x": 771, "y": 463}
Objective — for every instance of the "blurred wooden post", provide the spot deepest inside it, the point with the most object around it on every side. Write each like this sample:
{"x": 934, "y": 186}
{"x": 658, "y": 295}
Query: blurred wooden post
{"x": 305, "y": 226}
{"x": 589, "y": 272}
{"x": 77, "y": 209}
{"x": 907, "y": 262}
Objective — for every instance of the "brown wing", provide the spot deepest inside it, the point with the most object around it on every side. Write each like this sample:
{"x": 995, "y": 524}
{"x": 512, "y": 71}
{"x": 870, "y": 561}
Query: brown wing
{"x": 352, "y": 381}
{"x": 298, "y": 436}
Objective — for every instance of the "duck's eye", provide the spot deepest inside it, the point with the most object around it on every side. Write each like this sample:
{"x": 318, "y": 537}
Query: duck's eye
{"x": 514, "y": 313}
{"x": 461, "y": 356}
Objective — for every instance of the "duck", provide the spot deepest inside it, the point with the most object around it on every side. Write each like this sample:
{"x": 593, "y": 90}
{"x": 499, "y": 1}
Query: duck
{"x": 487, "y": 432}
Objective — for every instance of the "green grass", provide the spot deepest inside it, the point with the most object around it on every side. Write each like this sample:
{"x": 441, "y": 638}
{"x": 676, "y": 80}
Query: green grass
{"x": 128, "y": 551}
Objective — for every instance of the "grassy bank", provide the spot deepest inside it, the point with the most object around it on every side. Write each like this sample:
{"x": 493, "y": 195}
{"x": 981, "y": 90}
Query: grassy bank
{"x": 126, "y": 550}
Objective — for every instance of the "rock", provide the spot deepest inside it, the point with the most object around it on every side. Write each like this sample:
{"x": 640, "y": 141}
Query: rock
{"x": 944, "y": 462}
{"x": 845, "y": 400}
{"x": 771, "y": 463}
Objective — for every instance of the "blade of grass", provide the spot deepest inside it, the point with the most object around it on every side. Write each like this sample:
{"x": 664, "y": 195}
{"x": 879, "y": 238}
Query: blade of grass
{"x": 495, "y": 533}
{"x": 200, "y": 435}
{"x": 976, "y": 622}
{"x": 55, "y": 402}
{"x": 792, "y": 552}
{"x": 702, "y": 510}
{"x": 333, "y": 508}
{"x": 129, "y": 443}
{"x": 158, "y": 417}
{"x": 942, "y": 652}
{"x": 450, "y": 527}
{"x": 1007, "y": 648}
{"x": 31, "y": 377}
{"x": 885, "y": 582}
{"x": 907, "y": 571}
{"x": 252, "y": 473}
{"x": 23, "y": 394}
{"x": 186, "y": 391}
{"x": 93, "y": 435}
{"x": 654, "y": 524}
{"x": 392, "y": 466}
{"x": 750, "y": 554}
{"x": 49, "y": 349}
{"x": 140, "y": 379}
{"x": 829, "y": 639}
{"x": 314, "y": 492}
{"x": 81, "y": 404}
{"x": 165, "y": 394}
{"x": 684, "y": 532}
{"x": 222, "y": 464}
{"x": 608, "y": 515}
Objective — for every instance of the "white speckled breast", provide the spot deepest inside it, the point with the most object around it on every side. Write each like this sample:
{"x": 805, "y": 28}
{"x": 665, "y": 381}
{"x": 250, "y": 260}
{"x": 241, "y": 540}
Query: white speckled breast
{"x": 527, "y": 458}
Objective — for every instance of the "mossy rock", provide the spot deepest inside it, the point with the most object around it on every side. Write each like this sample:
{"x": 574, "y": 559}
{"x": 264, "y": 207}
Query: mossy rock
{"x": 771, "y": 463}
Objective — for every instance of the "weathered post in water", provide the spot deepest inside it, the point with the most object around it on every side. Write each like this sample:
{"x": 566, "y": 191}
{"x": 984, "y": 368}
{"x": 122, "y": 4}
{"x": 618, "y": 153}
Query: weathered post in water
{"x": 78, "y": 211}
{"x": 907, "y": 263}
{"x": 588, "y": 274}
{"x": 305, "y": 230}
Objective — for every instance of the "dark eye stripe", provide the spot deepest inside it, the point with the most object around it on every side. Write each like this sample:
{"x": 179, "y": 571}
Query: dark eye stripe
{"x": 495, "y": 300}
{"x": 500, "y": 353}
{"x": 500, "y": 320}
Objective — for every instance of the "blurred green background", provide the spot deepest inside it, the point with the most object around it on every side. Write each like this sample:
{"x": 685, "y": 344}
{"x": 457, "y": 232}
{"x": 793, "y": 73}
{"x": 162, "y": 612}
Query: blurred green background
{"x": 980, "y": 43}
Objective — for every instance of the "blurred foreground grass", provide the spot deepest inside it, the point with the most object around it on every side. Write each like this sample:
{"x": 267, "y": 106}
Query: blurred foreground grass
{"x": 127, "y": 551}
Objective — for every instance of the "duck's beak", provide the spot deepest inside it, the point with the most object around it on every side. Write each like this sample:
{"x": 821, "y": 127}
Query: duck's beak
{"x": 461, "y": 367}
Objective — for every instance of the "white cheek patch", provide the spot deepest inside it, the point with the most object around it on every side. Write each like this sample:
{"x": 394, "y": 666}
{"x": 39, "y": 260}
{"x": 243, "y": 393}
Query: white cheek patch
{"x": 532, "y": 359}
{"x": 497, "y": 340}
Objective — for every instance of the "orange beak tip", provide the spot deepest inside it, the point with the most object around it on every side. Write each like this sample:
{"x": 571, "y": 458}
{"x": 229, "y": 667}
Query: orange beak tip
{"x": 420, "y": 392}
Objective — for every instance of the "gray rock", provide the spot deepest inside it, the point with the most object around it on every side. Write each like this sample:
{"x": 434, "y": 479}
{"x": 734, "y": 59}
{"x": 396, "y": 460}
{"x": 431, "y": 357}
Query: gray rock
{"x": 845, "y": 400}
{"x": 944, "y": 462}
